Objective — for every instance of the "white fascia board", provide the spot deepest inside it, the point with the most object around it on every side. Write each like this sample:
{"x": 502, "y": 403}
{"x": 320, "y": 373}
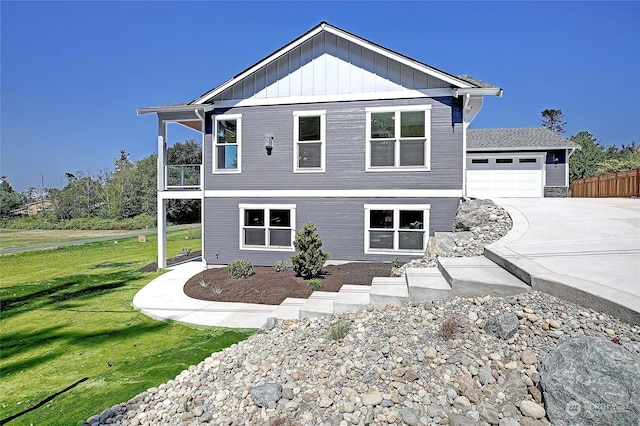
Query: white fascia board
{"x": 371, "y": 96}
{"x": 260, "y": 64}
{"x": 357, "y": 40}
{"x": 340, "y": 193}
{"x": 174, "y": 108}
{"x": 180, "y": 195}
{"x": 479, "y": 91}
{"x": 399, "y": 58}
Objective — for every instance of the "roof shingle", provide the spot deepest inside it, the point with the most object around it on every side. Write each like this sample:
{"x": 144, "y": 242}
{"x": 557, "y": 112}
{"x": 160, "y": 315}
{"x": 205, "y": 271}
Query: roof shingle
{"x": 516, "y": 139}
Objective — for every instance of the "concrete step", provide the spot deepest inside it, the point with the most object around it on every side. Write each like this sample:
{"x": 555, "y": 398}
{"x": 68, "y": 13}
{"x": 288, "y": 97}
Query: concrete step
{"x": 352, "y": 298}
{"x": 426, "y": 284}
{"x": 389, "y": 291}
{"x": 289, "y": 308}
{"x": 478, "y": 276}
{"x": 319, "y": 304}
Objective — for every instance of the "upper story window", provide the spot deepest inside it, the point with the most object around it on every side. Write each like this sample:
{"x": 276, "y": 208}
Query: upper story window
{"x": 267, "y": 227}
{"x": 398, "y": 138}
{"x": 309, "y": 136}
{"x": 226, "y": 143}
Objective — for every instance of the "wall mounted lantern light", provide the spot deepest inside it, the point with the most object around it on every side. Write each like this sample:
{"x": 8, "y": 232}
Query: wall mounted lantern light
{"x": 268, "y": 144}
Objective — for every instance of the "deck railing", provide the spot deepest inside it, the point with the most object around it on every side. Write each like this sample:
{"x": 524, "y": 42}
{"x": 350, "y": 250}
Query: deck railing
{"x": 618, "y": 184}
{"x": 183, "y": 177}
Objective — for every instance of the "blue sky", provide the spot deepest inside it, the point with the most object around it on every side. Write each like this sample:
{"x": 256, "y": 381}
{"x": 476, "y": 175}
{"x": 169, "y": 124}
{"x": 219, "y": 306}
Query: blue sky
{"x": 73, "y": 74}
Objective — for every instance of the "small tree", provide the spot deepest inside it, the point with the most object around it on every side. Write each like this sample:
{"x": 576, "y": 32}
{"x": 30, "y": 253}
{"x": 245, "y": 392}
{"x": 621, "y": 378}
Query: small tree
{"x": 553, "y": 119}
{"x": 309, "y": 258}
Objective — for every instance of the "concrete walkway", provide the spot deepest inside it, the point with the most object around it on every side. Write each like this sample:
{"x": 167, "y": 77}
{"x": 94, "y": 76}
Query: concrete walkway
{"x": 585, "y": 250}
{"x": 581, "y": 250}
{"x": 164, "y": 299}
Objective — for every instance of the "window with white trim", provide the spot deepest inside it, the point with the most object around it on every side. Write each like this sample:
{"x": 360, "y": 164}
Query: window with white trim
{"x": 309, "y": 135}
{"x": 226, "y": 143}
{"x": 396, "y": 228}
{"x": 398, "y": 138}
{"x": 267, "y": 227}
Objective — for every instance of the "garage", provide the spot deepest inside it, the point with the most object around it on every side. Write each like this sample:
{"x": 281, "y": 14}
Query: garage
{"x": 505, "y": 176}
{"x": 517, "y": 162}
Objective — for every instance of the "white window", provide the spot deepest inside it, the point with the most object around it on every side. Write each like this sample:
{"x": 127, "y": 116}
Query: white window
{"x": 398, "y": 138}
{"x": 396, "y": 228}
{"x": 267, "y": 227}
{"x": 227, "y": 131}
{"x": 309, "y": 136}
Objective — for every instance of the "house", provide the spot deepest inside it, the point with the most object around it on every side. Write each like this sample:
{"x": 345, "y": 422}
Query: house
{"x": 33, "y": 208}
{"x": 334, "y": 129}
{"x": 517, "y": 162}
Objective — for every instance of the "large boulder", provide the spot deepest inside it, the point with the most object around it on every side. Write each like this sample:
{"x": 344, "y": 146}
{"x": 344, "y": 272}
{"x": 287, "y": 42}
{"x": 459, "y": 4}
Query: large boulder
{"x": 473, "y": 214}
{"x": 591, "y": 381}
{"x": 267, "y": 394}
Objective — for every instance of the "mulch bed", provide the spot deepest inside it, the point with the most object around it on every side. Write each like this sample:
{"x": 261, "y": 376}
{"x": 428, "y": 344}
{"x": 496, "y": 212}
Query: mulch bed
{"x": 269, "y": 287}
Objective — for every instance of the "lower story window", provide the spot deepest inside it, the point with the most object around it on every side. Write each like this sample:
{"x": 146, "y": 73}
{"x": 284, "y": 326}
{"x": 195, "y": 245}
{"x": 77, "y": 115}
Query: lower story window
{"x": 396, "y": 228}
{"x": 267, "y": 227}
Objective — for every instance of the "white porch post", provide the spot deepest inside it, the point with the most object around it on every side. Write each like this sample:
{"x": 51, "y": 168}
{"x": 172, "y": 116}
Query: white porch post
{"x": 162, "y": 203}
{"x": 162, "y": 232}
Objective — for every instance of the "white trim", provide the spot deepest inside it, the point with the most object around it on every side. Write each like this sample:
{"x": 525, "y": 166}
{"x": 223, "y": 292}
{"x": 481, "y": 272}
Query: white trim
{"x": 397, "y": 110}
{"x": 323, "y": 140}
{"x": 181, "y": 195}
{"x": 339, "y": 193}
{"x": 425, "y": 208}
{"x": 399, "y": 58}
{"x": 369, "y": 96}
{"x": 214, "y": 141}
{"x": 346, "y": 36}
{"x": 266, "y": 208}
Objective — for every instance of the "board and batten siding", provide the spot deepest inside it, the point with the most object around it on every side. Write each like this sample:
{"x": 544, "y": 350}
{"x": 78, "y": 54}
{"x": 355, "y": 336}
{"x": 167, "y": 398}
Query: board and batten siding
{"x": 340, "y": 223}
{"x": 345, "y": 149}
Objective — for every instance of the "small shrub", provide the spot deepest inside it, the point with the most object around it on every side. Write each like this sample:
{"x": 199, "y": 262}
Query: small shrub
{"x": 339, "y": 329}
{"x": 314, "y": 284}
{"x": 186, "y": 251}
{"x": 261, "y": 293}
{"x": 309, "y": 258}
{"x": 217, "y": 290}
{"x": 203, "y": 283}
{"x": 240, "y": 268}
{"x": 280, "y": 266}
{"x": 449, "y": 327}
{"x": 396, "y": 262}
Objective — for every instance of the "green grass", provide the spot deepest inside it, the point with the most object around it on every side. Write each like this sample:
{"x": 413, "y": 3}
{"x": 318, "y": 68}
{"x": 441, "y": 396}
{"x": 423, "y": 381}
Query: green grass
{"x": 67, "y": 315}
{"x": 17, "y": 238}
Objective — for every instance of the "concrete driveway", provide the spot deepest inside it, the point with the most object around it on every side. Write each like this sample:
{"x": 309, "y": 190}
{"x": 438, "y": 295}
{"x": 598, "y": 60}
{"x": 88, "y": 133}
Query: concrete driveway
{"x": 585, "y": 250}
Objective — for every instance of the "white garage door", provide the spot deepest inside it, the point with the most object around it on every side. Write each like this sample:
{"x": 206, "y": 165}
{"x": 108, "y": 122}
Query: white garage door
{"x": 514, "y": 175}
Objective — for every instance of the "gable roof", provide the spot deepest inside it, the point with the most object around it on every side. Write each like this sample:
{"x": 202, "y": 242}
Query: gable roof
{"x": 330, "y": 64}
{"x": 338, "y": 46}
{"x": 516, "y": 139}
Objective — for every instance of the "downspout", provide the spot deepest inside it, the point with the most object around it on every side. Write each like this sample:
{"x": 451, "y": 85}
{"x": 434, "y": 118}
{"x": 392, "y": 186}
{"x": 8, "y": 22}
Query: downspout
{"x": 202, "y": 216}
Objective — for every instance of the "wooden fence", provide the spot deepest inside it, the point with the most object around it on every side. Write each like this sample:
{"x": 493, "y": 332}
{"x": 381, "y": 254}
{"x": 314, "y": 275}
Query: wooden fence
{"x": 618, "y": 184}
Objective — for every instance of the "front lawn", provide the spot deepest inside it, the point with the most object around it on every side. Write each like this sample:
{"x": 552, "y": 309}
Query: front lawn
{"x": 67, "y": 315}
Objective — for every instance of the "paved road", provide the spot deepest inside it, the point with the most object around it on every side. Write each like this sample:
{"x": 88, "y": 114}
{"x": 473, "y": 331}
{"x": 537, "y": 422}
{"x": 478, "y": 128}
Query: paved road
{"x": 581, "y": 249}
{"x": 125, "y": 234}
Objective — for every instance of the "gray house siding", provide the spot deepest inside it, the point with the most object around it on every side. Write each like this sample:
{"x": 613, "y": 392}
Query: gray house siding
{"x": 340, "y": 223}
{"x": 345, "y": 149}
{"x": 556, "y": 172}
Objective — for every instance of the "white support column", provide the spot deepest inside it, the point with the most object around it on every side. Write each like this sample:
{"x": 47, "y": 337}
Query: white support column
{"x": 162, "y": 232}
{"x": 162, "y": 154}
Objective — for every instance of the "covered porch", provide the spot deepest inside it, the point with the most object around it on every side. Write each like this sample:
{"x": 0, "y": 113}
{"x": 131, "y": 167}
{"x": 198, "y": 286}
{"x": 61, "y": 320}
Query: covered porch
{"x": 177, "y": 181}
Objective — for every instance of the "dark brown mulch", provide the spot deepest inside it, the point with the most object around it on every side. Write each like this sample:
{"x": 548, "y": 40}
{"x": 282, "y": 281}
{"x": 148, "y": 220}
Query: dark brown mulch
{"x": 269, "y": 287}
{"x": 152, "y": 267}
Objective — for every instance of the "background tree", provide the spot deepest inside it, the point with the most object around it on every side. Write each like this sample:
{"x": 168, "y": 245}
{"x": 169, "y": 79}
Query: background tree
{"x": 625, "y": 158}
{"x": 187, "y": 153}
{"x": 585, "y": 162}
{"x": 553, "y": 119}
{"x": 9, "y": 198}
